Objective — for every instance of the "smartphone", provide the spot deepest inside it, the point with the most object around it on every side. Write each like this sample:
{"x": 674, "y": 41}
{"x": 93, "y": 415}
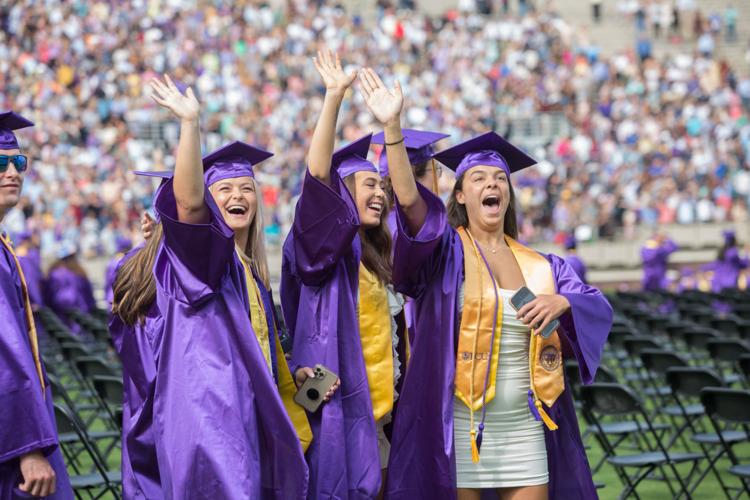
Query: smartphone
{"x": 522, "y": 297}
{"x": 311, "y": 393}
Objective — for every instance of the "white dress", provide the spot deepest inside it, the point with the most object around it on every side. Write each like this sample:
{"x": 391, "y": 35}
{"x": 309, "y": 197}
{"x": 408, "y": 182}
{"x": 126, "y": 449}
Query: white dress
{"x": 513, "y": 451}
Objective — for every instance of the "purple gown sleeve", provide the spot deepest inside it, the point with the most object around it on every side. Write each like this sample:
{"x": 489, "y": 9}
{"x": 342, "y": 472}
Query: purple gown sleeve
{"x": 194, "y": 257}
{"x": 586, "y": 326}
{"x": 733, "y": 256}
{"x": 417, "y": 258}
{"x": 325, "y": 225}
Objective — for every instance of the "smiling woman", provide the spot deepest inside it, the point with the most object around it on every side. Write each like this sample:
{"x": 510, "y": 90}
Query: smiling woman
{"x": 489, "y": 416}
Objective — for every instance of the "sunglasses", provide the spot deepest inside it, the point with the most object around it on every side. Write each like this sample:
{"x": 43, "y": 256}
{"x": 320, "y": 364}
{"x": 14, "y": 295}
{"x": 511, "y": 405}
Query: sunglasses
{"x": 21, "y": 162}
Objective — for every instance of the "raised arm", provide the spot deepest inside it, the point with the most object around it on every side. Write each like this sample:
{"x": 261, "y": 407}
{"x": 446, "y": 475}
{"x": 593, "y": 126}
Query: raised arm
{"x": 188, "y": 172}
{"x": 385, "y": 105}
{"x": 337, "y": 82}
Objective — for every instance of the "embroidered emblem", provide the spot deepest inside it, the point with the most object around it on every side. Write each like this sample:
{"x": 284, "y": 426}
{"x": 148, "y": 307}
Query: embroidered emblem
{"x": 550, "y": 358}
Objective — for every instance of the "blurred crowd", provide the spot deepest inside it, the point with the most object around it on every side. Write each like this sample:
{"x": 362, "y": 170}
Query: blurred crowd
{"x": 649, "y": 141}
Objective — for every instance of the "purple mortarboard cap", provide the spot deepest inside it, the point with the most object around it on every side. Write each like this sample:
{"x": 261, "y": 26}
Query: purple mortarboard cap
{"x": 419, "y": 146}
{"x": 231, "y": 161}
{"x": 488, "y": 149}
{"x": 570, "y": 242}
{"x": 729, "y": 235}
{"x": 164, "y": 175}
{"x": 10, "y": 121}
{"x": 353, "y": 158}
{"x": 122, "y": 244}
{"x": 23, "y": 236}
{"x": 687, "y": 272}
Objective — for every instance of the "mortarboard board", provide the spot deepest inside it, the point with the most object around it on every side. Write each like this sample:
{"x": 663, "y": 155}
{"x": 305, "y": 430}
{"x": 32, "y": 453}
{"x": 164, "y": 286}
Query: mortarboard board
{"x": 729, "y": 236}
{"x": 233, "y": 160}
{"x": 353, "y": 158}
{"x": 10, "y": 121}
{"x": 122, "y": 244}
{"x": 488, "y": 149}
{"x": 23, "y": 236}
{"x": 419, "y": 146}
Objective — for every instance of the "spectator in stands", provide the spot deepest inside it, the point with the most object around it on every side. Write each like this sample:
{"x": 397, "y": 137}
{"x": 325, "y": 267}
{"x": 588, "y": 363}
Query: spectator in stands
{"x": 655, "y": 258}
{"x": 31, "y": 464}
{"x": 212, "y": 277}
{"x": 27, "y": 251}
{"x": 729, "y": 263}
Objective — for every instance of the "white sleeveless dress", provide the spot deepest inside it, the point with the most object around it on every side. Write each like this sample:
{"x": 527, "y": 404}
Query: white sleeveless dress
{"x": 513, "y": 451}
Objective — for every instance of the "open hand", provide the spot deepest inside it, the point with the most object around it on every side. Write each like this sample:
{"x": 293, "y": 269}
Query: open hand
{"x": 384, "y": 104}
{"x": 538, "y": 313}
{"x": 329, "y": 67}
{"x": 38, "y": 476}
{"x": 147, "y": 226}
{"x": 166, "y": 94}
{"x": 306, "y": 372}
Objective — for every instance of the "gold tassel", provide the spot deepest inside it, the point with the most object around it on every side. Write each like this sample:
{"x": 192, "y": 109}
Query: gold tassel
{"x": 545, "y": 418}
{"x": 474, "y": 449}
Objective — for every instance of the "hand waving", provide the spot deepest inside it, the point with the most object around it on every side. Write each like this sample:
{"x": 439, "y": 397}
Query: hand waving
{"x": 384, "y": 104}
{"x": 148, "y": 225}
{"x": 185, "y": 107}
{"x": 329, "y": 67}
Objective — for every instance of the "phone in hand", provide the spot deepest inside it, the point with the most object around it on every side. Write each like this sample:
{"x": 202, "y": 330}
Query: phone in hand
{"x": 311, "y": 393}
{"x": 522, "y": 297}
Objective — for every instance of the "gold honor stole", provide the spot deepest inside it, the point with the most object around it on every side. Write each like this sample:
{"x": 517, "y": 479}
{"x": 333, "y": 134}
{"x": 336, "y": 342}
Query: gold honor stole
{"x": 377, "y": 346}
{"x": 33, "y": 340}
{"x": 475, "y": 335}
{"x": 287, "y": 387}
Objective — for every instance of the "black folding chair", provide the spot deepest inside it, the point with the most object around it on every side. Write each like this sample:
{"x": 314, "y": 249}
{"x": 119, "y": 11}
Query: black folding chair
{"x": 731, "y": 406}
{"x": 725, "y": 353}
{"x": 744, "y": 363}
{"x": 619, "y": 401}
{"x": 100, "y": 481}
{"x": 110, "y": 390}
{"x": 687, "y": 384}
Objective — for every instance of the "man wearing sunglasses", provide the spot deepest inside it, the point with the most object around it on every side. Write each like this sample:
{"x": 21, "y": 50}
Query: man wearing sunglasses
{"x": 31, "y": 463}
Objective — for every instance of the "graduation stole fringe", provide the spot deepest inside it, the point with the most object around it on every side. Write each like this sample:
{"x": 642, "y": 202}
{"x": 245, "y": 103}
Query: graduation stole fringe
{"x": 478, "y": 356}
{"x": 286, "y": 385}
{"x": 33, "y": 340}
{"x": 377, "y": 345}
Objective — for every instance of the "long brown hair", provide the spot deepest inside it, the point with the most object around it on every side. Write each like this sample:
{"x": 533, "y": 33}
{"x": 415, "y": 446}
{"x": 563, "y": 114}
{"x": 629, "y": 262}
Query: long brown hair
{"x": 458, "y": 217}
{"x": 376, "y": 241}
{"x": 135, "y": 287}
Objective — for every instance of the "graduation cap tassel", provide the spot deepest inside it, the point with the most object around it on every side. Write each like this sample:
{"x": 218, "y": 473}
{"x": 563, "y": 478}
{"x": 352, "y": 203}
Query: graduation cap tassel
{"x": 474, "y": 448}
{"x": 479, "y": 437}
{"x": 551, "y": 425}
{"x": 532, "y": 406}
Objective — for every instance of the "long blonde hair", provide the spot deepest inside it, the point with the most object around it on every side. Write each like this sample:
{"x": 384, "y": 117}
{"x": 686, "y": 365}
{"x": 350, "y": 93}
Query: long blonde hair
{"x": 254, "y": 253}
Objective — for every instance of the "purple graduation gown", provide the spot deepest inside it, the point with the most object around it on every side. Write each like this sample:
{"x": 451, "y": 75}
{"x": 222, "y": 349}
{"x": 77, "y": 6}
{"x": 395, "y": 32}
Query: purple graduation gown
{"x": 655, "y": 262}
{"x": 110, "y": 275}
{"x": 727, "y": 271}
{"x": 575, "y": 262}
{"x": 220, "y": 428}
{"x": 27, "y": 419}
{"x": 138, "y": 347}
{"x": 321, "y": 276}
{"x": 429, "y": 267}
{"x": 31, "y": 263}
{"x": 68, "y": 290}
